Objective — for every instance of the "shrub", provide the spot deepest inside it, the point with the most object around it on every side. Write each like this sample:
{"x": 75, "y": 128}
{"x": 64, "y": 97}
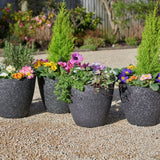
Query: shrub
{"x": 83, "y": 20}
{"x": 91, "y": 47}
{"x": 62, "y": 43}
{"x": 131, "y": 41}
{"x": 18, "y": 56}
{"x": 149, "y": 49}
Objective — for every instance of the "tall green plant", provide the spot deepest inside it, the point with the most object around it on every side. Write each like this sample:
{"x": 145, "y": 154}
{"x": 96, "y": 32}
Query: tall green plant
{"x": 62, "y": 43}
{"x": 149, "y": 49}
{"x": 18, "y": 56}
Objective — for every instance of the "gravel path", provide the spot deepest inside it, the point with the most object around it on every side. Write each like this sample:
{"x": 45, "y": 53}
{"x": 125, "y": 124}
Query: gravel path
{"x": 48, "y": 136}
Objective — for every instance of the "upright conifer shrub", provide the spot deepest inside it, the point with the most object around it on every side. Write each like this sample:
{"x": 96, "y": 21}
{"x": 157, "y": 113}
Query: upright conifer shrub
{"x": 62, "y": 42}
{"x": 148, "y": 59}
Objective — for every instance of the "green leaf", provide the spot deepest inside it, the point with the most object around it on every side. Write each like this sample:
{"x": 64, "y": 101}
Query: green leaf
{"x": 154, "y": 87}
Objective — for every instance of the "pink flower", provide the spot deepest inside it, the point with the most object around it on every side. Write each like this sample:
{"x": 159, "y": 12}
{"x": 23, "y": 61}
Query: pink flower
{"x": 28, "y": 71}
{"x": 37, "y": 18}
{"x": 40, "y": 21}
{"x": 67, "y": 69}
{"x": 21, "y": 25}
{"x": 30, "y": 27}
{"x": 19, "y": 11}
{"x": 7, "y": 9}
{"x": 44, "y": 17}
{"x": 49, "y": 25}
{"x": 62, "y": 64}
{"x": 70, "y": 64}
{"x": 145, "y": 77}
{"x": 76, "y": 58}
{"x": 26, "y": 38}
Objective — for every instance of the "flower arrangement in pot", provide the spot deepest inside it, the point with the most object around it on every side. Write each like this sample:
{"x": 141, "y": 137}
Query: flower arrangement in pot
{"x": 60, "y": 48}
{"x": 88, "y": 89}
{"x": 17, "y": 81}
{"x": 47, "y": 72}
{"x": 140, "y": 85}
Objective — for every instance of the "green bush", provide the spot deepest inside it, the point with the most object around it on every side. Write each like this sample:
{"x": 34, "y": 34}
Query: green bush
{"x": 18, "y": 56}
{"x": 91, "y": 47}
{"x": 98, "y": 42}
{"x": 83, "y": 20}
{"x": 62, "y": 43}
{"x": 131, "y": 41}
{"x": 149, "y": 49}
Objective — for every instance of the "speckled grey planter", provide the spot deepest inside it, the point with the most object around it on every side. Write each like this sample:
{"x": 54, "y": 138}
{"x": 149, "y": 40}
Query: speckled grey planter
{"x": 90, "y": 108}
{"x": 141, "y": 106}
{"x": 47, "y": 87}
{"x": 16, "y": 97}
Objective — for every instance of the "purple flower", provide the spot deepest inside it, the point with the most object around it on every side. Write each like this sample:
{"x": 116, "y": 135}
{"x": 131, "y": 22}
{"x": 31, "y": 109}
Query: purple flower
{"x": 85, "y": 65}
{"x": 127, "y": 71}
{"x": 76, "y": 58}
{"x": 158, "y": 78}
{"x": 123, "y": 78}
{"x": 98, "y": 66}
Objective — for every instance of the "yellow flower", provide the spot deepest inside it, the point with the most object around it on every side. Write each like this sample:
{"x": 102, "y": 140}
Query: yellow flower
{"x": 47, "y": 64}
{"x": 53, "y": 66}
{"x": 37, "y": 64}
{"x": 131, "y": 67}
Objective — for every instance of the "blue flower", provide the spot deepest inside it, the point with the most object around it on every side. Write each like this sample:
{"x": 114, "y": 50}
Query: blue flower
{"x": 158, "y": 78}
{"x": 127, "y": 71}
{"x": 123, "y": 78}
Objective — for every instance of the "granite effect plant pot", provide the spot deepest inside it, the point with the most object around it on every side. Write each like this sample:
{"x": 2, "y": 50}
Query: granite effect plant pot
{"x": 49, "y": 99}
{"x": 90, "y": 108}
{"x": 141, "y": 106}
{"x": 16, "y": 97}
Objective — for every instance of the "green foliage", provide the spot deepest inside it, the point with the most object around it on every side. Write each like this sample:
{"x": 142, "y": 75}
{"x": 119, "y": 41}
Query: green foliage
{"x": 131, "y": 41}
{"x": 83, "y": 20}
{"x": 18, "y": 56}
{"x": 136, "y": 9}
{"x": 149, "y": 49}
{"x": 78, "y": 78}
{"x": 62, "y": 43}
{"x": 91, "y": 47}
{"x": 98, "y": 42}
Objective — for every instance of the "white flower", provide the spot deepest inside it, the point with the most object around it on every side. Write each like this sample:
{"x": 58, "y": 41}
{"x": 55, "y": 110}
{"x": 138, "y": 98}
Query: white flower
{"x": 10, "y": 68}
{"x": 3, "y": 74}
{"x": 113, "y": 72}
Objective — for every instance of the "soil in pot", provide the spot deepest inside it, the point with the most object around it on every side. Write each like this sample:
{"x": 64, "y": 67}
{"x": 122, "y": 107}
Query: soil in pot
{"x": 16, "y": 97}
{"x": 141, "y": 106}
{"x": 90, "y": 108}
{"x": 47, "y": 87}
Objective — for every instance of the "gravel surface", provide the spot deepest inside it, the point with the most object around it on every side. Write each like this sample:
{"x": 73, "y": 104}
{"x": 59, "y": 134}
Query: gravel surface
{"x": 48, "y": 136}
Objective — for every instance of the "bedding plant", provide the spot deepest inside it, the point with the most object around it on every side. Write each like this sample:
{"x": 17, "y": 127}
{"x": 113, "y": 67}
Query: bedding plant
{"x": 76, "y": 74}
{"x": 17, "y": 62}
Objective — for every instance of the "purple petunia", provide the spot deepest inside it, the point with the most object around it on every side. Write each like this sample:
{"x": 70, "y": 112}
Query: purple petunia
{"x": 127, "y": 71}
{"x": 123, "y": 78}
{"x": 158, "y": 78}
{"x": 76, "y": 58}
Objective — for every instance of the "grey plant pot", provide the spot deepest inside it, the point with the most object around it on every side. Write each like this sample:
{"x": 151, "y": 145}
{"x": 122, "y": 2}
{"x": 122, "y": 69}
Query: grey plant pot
{"x": 16, "y": 97}
{"x": 141, "y": 106}
{"x": 90, "y": 108}
{"x": 49, "y": 99}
